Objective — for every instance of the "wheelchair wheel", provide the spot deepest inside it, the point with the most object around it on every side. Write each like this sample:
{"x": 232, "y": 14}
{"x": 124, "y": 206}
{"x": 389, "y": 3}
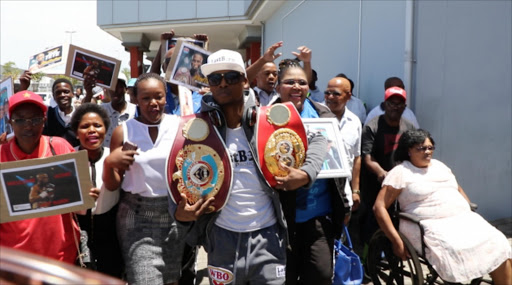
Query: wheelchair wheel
{"x": 385, "y": 268}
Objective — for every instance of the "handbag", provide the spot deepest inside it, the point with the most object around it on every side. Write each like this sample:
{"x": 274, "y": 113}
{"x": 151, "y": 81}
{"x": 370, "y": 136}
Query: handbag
{"x": 348, "y": 269}
{"x": 84, "y": 258}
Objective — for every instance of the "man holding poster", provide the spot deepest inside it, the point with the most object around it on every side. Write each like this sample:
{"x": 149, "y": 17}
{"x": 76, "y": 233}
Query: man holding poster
{"x": 51, "y": 236}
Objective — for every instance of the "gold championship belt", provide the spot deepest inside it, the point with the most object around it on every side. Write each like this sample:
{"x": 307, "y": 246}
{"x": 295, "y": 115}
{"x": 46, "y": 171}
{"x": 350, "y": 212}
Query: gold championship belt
{"x": 199, "y": 165}
{"x": 281, "y": 139}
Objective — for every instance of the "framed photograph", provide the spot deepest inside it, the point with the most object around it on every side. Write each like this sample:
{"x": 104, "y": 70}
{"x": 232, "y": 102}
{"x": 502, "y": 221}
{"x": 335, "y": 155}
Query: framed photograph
{"x": 44, "y": 186}
{"x": 185, "y": 66}
{"x": 46, "y": 59}
{"x": 6, "y": 91}
{"x": 82, "y": 63}
{"x": 336, "y": 161}
{"x": 168, "y": 44}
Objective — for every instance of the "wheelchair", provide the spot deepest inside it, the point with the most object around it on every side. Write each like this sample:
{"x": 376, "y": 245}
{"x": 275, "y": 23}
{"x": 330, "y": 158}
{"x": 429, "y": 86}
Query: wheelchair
{"x": 386, "y": 268}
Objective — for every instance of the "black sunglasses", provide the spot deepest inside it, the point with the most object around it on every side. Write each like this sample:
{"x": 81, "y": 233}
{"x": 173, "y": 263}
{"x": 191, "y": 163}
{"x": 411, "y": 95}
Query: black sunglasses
{"x": 231, "y": 77}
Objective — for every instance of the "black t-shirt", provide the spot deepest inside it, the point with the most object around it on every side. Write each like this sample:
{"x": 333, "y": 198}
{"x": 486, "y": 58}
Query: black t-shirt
{"x": 380, "y": 140}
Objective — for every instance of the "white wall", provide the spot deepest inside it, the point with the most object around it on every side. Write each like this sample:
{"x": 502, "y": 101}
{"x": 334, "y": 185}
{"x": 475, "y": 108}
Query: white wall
{"x": 463, "y": 94}
{"x": 331, "y": 30}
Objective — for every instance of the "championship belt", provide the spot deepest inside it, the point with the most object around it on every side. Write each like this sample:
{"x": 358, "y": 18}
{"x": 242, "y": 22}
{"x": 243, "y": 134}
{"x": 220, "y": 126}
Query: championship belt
{"x": 281, "y": 138}
{"x": 199, "y": 164}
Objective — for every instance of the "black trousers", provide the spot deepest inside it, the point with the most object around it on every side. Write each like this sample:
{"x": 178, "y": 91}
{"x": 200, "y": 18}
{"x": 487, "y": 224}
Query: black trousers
{"x": 310, "y": 255}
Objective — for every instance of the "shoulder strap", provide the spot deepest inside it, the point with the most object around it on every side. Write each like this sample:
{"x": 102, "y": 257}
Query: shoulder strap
{"x": 51, "y": 146}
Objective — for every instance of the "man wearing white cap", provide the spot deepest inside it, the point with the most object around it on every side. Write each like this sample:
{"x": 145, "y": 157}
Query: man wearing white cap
{"x": 247, "y": 239}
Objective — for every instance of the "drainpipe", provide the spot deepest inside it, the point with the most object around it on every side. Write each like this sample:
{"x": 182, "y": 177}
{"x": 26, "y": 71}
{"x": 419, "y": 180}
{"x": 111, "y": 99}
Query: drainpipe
{"x": 359, "y": 49}
{"x": 289, "y": 12}
{"x": 409, "y": 42}
{"x": 263, "y": 45}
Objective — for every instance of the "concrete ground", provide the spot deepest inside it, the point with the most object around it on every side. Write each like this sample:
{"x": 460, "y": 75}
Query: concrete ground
{"x": 504, "y": 225}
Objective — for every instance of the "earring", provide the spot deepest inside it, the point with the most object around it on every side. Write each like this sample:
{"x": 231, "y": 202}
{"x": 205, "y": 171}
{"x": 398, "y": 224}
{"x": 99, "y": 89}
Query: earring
{"x": 409, "y": 153}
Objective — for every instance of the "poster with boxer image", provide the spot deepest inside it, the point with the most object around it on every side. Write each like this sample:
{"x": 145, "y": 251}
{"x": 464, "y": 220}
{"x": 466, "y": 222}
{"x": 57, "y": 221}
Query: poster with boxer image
{"x": 46, "y": 59}
{"x": 336, "y": 161}
{"x": 185, "y": 66}
{"x": 6, "y": 91}
{"x": 44, "y": 186}
{"x": 168, "y": 44}
{"x": 82, "y": 63}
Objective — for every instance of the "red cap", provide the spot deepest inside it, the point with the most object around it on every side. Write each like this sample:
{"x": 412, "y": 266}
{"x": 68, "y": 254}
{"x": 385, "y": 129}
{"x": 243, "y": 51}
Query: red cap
{"x": 395, "y": 91}
{"x": 23, "y": 97}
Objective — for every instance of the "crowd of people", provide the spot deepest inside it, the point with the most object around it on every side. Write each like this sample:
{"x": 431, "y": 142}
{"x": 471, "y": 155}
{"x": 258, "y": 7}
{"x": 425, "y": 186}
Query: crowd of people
{"x": 282, "y": 234}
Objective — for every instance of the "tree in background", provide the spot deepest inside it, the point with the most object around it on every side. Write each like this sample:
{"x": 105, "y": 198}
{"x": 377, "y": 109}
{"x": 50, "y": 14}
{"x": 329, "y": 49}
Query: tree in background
{"x": 127, "y": 73}
{"x": 10, "y": 69}
{"x": 38, "y": 76}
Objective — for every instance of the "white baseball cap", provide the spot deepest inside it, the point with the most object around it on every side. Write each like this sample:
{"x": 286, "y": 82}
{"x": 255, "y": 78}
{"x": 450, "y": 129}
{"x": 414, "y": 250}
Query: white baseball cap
{"x": 223, "y": 60}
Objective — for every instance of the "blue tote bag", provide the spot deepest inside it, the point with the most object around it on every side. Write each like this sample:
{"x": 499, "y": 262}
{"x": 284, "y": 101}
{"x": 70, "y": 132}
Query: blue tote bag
{"x": 348, "y": 269}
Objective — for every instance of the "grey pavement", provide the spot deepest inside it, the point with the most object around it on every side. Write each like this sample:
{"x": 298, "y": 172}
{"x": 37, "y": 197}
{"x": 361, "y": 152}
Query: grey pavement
{"x": 504, "y": 225}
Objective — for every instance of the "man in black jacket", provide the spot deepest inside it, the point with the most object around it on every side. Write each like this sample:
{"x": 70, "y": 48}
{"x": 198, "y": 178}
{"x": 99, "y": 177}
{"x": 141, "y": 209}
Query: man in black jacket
{"x": 57, "y": 123}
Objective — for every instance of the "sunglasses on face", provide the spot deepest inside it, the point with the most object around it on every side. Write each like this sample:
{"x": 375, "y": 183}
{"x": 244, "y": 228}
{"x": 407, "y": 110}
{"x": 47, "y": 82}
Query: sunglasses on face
{"x": 27, "y": 122}
{"x": 292, "y": 82}
{"x": 424, "y": 148}
{"x": 231, "y": 77}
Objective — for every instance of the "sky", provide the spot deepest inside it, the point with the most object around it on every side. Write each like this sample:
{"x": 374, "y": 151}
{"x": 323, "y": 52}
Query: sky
{"x": 29, "y": 27}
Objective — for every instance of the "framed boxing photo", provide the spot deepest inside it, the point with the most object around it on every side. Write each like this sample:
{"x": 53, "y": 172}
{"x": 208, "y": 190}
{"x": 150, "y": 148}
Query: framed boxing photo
{"x": 82, "y": 62}
{"x": 185, "y": 66}
{"x": 336, "y": 161}
{"x": 168, "y": 44}
{"x": 44, "y": 186}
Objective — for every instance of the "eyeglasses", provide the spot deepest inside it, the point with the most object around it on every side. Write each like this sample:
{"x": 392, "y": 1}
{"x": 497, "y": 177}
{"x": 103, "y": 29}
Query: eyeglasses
{"x": 335, "y": 93}
{"x": 27, "y": 122}
{"x": 395, "y": 105}
{"x": 231, "y": 77}
{"x": 424, "y": 148}
{"x": 292, "y": 82}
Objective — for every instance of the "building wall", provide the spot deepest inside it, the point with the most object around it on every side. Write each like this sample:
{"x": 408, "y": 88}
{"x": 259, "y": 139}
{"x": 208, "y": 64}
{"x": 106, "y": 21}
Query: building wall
{"x": 334, "y": 30}
{"x": 464, "y": 94}
{"x": 143, "y": 12}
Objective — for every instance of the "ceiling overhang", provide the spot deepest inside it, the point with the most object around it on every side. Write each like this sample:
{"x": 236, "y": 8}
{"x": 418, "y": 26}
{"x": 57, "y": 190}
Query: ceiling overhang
{"x": 234, "y": 33}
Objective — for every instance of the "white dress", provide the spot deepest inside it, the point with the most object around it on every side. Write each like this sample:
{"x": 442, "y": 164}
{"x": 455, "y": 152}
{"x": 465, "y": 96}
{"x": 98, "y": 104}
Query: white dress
{"x": 461, "y": 245}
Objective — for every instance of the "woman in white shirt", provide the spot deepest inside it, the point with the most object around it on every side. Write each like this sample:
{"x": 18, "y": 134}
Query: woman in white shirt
{"x": 151, "y": 240}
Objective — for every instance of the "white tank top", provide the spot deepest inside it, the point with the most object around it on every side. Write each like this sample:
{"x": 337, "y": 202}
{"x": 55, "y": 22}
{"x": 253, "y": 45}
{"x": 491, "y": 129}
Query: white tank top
{"x": 146, "y": 176}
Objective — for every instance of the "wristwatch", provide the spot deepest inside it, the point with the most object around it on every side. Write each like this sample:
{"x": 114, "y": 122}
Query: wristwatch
{"x": 358, "y": 192}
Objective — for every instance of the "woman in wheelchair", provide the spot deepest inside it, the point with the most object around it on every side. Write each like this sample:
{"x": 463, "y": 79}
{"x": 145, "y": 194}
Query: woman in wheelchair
{"x": 460, "y": 244}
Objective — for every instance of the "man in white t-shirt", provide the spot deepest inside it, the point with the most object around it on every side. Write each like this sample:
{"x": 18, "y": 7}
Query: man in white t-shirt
{"x": 337, "y": 95}
{"x": 247, "y": 239}
{"x": 354, "y": 104}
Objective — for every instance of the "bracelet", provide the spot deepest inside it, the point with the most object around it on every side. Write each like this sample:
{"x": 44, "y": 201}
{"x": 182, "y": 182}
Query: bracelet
{"x": 358, "y": 192}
